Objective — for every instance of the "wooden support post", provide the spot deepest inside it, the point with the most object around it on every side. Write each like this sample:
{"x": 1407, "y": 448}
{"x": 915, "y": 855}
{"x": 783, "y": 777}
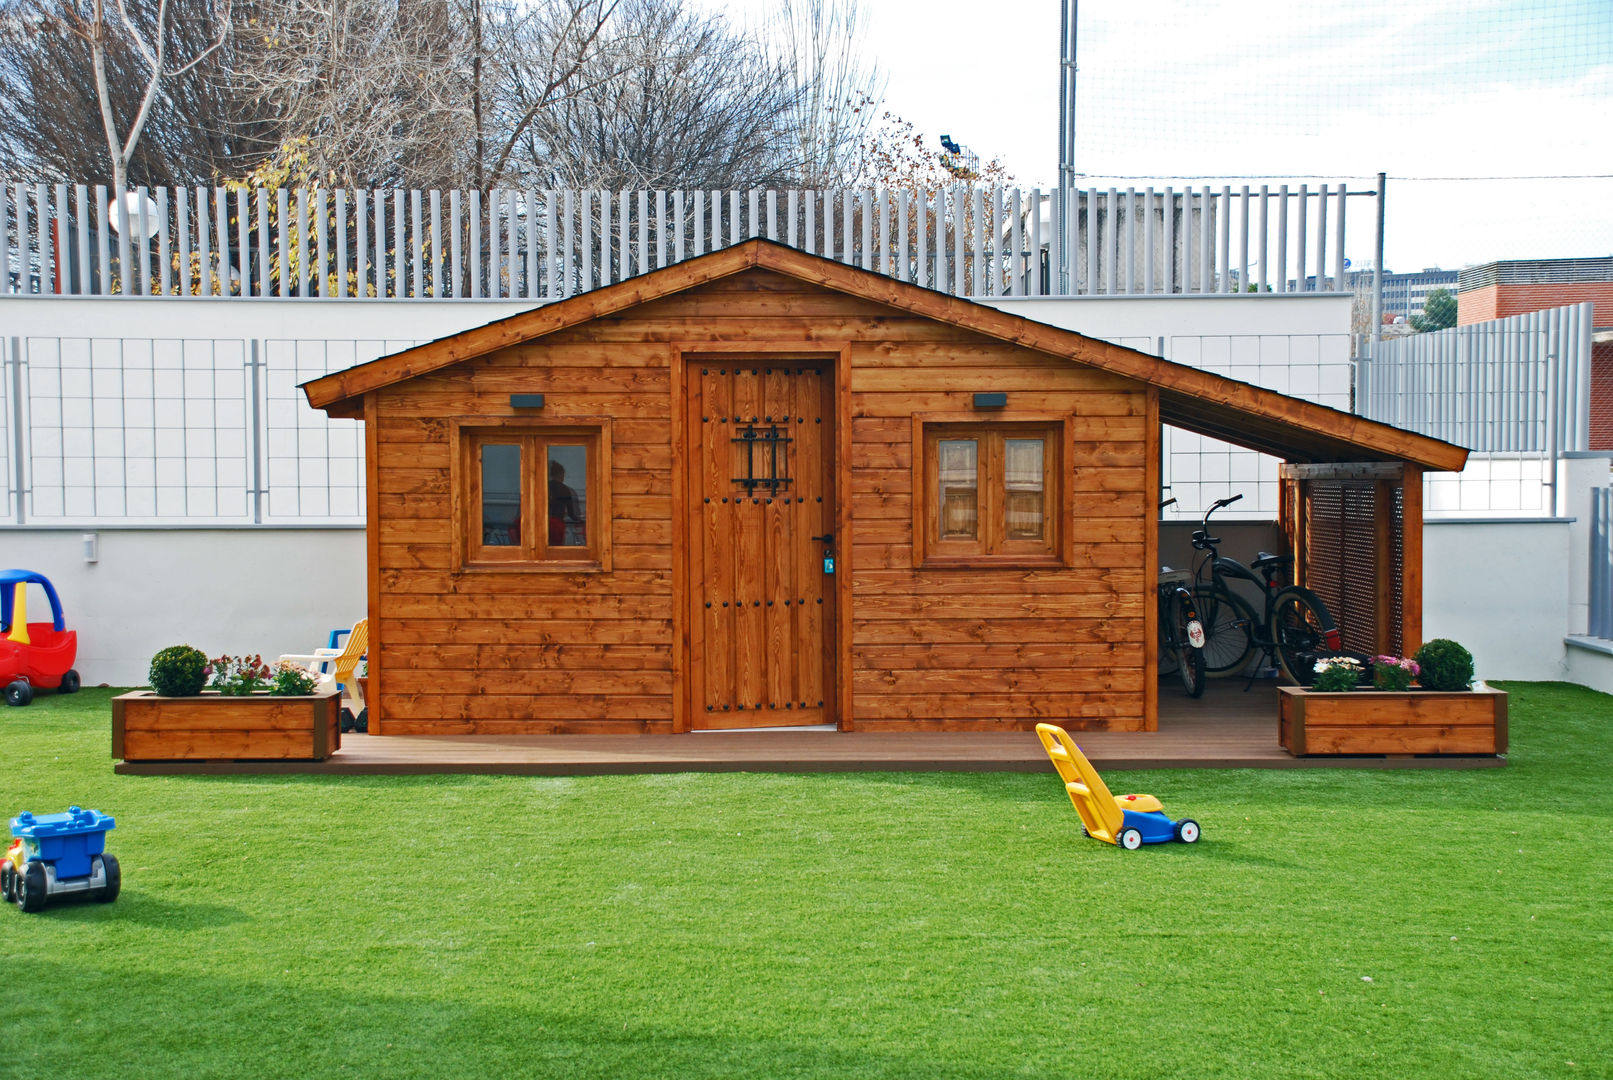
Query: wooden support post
{"x": 1151, "y": 479}
{"x": 1383, "y": 605}
{"x": 1411, "y": 554}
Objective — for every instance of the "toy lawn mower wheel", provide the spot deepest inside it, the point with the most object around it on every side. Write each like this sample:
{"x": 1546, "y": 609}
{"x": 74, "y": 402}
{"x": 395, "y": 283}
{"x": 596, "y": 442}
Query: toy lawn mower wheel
{"x": 30, "y": 888}
{"x": 19, "y": 693}
{"x": 70, "y": 682}
{"x": 1131, "y": 839}
{"x": 114, "y": 879}
{"x": 1187, "y": 831}
{"x": 5, "y": 882}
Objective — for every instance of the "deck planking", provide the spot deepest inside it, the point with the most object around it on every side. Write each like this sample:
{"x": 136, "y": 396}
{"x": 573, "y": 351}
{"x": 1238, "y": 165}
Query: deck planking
{"x": 1229, "y": 728}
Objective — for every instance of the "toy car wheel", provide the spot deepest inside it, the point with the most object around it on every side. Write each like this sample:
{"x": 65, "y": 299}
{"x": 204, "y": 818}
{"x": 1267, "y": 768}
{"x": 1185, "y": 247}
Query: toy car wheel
{"x": 347, "y": 720}
{"x": 19, "y": 693}
{"x": 5, "y": 882}
{"x": 70, "y": 682}
{"x": 361, "y": 723}
{"x": 1131, "y": 839}
{"x": 114, "y": 879}
{"x": 30, "y": 888}
{"x": 1187, "y": 831}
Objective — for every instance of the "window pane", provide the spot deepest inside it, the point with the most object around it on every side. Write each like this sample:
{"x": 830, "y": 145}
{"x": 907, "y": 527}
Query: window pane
{"x": 568, "y": 496}
{"x": 960, "y": 489}
{"x": 1022, "y": 466}
{"x": 501, "y": 495}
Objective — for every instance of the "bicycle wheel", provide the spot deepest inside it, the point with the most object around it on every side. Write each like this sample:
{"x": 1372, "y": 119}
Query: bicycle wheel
{"x": 1189, "y": 661}
{"x": 1301, "y": 628}
{"x": 1228, "y": 623}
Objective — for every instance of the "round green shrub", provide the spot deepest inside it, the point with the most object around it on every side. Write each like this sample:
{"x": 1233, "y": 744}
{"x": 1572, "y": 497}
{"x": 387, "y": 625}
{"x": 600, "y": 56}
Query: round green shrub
{"x": 1444, "y": 665}
{"x": 179, "y": 671}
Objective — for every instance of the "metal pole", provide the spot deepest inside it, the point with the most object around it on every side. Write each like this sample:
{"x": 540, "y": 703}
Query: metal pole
{"x": 1377, "y": 274}
{"x": 16, "y": 425}
{"x": 255, "y": 361}
{"x": 1068, "y": 13}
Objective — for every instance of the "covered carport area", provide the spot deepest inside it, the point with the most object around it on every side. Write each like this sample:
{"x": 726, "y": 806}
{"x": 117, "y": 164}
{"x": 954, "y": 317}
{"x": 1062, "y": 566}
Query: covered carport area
{"x": 1350, "y": 508}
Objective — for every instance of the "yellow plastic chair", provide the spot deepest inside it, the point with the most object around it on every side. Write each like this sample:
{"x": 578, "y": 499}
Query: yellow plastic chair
{"x": 342, "y": 662}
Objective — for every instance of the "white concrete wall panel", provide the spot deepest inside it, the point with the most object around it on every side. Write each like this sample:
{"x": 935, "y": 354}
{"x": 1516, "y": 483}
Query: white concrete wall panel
{"x": 268, "y": 591}
{"x": 1501, "y": 588}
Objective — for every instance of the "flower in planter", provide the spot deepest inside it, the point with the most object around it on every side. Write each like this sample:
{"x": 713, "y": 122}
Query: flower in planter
{"x": 1337, "y": 673}
{"x": 239, "y": 674}
{"x": 292, "y": 680}
{"x": 1393, "y": 672}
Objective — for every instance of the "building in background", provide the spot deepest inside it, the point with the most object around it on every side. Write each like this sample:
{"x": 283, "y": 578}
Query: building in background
{"x": 1496, "y": 290}
{"x": 1405, "y": 294}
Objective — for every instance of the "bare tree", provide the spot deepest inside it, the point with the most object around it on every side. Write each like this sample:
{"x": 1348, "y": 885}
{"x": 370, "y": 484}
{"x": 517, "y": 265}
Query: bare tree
{"x": 371, "y": 85}
{"x": 146, "y": 31}
{"x": 417, "y": 92}
{"x": 674, "y": 98}
{"x": 194, "y": 128}
{"x": 836, "y": 89}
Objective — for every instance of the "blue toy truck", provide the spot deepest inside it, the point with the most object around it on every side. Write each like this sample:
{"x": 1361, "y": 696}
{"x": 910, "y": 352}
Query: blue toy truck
{"x": 57, "y": 854}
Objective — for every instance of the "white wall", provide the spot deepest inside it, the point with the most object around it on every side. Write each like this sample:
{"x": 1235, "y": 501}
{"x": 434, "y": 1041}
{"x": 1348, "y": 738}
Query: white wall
{"x": 267, "y": 591}
{"x": 1501, "y": 588}
{"x": 251, "y": 317}
{"x": 1134, "y": 320}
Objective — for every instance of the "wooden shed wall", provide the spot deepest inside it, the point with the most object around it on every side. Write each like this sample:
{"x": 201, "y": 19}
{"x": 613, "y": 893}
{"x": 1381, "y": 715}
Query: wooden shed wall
{"x": 942, "y": 648}
{"x": 492, "y": 651}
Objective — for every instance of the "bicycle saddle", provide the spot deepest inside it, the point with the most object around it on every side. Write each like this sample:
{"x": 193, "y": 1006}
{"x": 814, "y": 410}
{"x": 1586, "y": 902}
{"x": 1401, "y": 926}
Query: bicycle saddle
{"x": 1264, "y": 559}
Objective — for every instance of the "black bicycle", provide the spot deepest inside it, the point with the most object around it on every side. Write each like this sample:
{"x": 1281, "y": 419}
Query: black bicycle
{"x": 1295, "y": 630}
{"x": 1181, "y": 633}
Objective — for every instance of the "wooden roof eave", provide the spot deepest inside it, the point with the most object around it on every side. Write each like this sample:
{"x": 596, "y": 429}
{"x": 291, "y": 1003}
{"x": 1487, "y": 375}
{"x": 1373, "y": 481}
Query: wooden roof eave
{"x": 1190, "y": 398}
{"x": 333, "y": 390}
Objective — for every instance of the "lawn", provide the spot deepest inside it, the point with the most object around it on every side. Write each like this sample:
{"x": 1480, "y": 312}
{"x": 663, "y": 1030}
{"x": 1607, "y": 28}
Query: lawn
{"x": 1332, "y": 923}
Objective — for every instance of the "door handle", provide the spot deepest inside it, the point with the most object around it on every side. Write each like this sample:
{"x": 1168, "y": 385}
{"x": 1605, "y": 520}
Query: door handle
{"x": 827, "y": 538}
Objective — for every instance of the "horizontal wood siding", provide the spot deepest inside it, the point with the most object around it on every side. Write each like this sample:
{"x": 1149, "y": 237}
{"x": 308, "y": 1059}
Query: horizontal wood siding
{"x": 983, "y": 648}
{"x": 508, "y": 650}
{"x": 493, "y": 650}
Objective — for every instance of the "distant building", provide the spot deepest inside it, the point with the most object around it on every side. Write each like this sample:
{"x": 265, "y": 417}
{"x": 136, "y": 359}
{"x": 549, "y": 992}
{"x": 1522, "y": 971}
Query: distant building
{"x": 1496, "y": 290}
{"x": 1403, "y": 294}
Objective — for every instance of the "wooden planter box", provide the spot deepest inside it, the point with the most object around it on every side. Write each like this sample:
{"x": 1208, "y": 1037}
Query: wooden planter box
{"x": 222, "y": 727}
{"x": 1389, "y": 722}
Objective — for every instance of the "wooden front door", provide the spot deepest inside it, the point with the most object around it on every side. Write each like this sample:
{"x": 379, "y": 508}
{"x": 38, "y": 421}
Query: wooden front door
{"x": 761, "y": 479}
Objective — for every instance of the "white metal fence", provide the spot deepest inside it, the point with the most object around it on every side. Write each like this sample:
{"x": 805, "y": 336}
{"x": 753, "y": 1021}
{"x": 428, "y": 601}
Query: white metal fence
{"x": 1600, "y": 622}
{"x": 178, "y": 431}
{"x": 391, "y": 243}
{"x": 1515, "y": 391}
{"x": 215, "y": 432}
{"x": 1514, "y": 385}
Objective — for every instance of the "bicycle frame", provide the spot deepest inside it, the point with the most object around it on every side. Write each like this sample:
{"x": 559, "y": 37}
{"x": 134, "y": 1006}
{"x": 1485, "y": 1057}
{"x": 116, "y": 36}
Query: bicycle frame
{"x": 1262, "y": 634}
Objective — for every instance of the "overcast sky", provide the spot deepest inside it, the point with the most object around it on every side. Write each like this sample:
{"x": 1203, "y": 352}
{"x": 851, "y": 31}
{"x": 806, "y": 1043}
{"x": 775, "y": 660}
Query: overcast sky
{"x": 1429, "y": 88}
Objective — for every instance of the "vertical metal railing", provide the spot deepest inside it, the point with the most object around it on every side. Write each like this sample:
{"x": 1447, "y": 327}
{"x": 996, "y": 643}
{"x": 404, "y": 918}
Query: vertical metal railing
{"x": 535, "y": 244}
{"x": 1514, "y": 385}
{"x": 1601, "y": 569}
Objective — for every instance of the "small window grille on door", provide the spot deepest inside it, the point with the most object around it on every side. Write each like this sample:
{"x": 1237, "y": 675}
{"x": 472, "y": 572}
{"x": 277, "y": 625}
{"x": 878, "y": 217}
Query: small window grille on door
{"x": 763, "y": 458}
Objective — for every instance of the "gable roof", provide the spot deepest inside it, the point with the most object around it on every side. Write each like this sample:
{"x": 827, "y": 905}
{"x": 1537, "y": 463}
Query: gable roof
{"x": 1189, "y": 398}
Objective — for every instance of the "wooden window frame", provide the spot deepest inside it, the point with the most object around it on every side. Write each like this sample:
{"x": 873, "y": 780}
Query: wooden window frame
{"x": 534, "y": 436}
{"x": 992, "y": 548}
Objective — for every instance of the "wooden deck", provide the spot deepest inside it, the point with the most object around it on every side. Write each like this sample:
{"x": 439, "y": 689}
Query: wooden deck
{"x": 1229, "y": 728}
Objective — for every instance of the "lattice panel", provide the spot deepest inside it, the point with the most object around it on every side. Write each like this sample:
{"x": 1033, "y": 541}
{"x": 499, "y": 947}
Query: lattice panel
{"x": 1396, "y": 644}
{"x": 1342, "y": 558}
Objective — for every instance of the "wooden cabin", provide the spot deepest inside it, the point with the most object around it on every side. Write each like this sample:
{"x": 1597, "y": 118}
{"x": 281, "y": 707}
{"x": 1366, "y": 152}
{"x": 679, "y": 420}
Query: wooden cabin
{"x": 760, "y": 488}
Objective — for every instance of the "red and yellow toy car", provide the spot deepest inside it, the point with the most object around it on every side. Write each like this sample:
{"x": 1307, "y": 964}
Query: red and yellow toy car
{"x": 33, "y": 655}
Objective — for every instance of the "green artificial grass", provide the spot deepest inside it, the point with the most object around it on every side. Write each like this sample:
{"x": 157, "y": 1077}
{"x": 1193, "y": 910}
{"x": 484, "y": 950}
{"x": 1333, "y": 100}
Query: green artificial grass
{"x": 880, "y": 925}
